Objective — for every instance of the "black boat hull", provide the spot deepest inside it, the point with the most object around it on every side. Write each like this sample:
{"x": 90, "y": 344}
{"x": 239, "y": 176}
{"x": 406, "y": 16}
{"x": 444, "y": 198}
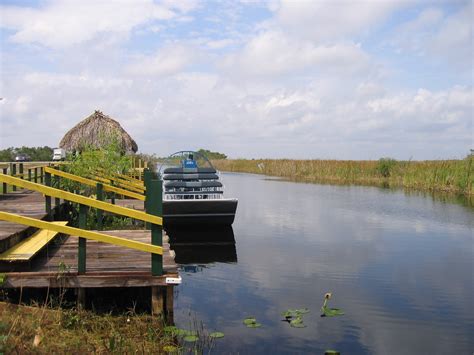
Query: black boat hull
{"x": 185, "y": 212}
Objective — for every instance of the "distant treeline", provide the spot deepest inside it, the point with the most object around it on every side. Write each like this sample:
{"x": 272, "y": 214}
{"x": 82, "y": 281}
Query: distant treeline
{"x": 455, "y": 176}
{"x": 212, "y": 155}
{"x": 34, "y": 153}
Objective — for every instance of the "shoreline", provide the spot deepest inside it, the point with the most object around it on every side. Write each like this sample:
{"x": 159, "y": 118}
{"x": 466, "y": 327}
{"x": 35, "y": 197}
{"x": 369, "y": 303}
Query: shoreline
{"x": 443, "y": 176}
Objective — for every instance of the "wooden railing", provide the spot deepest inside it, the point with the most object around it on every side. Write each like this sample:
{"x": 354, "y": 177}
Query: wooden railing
{"x": 153, "y": 206}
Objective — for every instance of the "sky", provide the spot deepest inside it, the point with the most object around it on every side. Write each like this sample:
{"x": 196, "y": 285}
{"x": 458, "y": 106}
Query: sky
{"x": 251, "y": 79}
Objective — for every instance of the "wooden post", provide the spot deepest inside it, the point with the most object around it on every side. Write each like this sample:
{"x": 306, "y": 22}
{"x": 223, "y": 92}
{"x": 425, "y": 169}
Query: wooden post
{"x": 29, "y": 174}
{"x": 57, "y": 201}
{"x": 81, "y": 255}
{"x": 36, "y": 175}
{"x": 155, "y": 207}
{"x": 157, "y": 302}
{"x": 81, "y": 298}
{"x": 100, "y": 197}
{"x": 47, "y": 199}
{"x": 20, "y": 170}
{"x": 112, "y": 197}
{"x": 41, "y": 174}
{"x": 13, "y": 173}
{"x": 169, "y": 302}
{"x": 147, "y": 176}
{"x": 4, "y": 185}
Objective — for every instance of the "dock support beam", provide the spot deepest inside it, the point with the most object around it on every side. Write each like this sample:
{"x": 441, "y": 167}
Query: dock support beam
{"x": 81, "y": 298}
{"x": 162, "y": 302}
{"x": 157, "y": 301}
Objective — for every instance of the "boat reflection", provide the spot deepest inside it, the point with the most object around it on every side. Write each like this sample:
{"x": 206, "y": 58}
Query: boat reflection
{"x": 203, "y": 245}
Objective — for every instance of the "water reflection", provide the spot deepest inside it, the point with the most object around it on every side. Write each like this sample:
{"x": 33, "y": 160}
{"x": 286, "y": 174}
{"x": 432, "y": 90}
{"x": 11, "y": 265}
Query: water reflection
{"x": 201, "y": 234}
{"x": 203, "y": 244}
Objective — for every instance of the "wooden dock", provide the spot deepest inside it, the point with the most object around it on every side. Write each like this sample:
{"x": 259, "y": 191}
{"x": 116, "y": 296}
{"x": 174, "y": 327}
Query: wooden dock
{"x": 108, "y": 266}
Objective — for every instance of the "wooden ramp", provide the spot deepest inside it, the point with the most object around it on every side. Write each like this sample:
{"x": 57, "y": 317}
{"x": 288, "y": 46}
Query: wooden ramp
{"x": 29, "y": 247}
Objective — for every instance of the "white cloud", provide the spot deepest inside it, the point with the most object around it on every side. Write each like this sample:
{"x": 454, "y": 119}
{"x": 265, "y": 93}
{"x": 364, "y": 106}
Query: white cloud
{"x": 274, "y": 53}
{"x": 168, "y": 60}
{"x": 332, "y": 20}
{"x": 454, "y": 39}
{"x": 269, "y": 91}
{"x": 62, "y": 23}
{"x": 434, "y": 34}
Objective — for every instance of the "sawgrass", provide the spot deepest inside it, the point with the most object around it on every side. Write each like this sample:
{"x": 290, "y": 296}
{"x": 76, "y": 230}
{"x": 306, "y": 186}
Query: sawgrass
{"x": 26, "y": 329}
{"x": 454, "y": 176}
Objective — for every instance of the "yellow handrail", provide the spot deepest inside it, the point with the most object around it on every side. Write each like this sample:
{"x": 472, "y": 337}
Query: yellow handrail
{"x": 90, "y": 182}
{"x": 137, "y": 184}
{"x": 130, "y": 178}
{"x": 50, "y": 191}
{"x": 100, "y": 237}
{"x": 107, "y": 181}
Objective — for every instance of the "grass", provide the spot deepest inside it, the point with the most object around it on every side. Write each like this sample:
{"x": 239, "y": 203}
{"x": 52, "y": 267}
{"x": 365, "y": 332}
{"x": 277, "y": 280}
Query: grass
{"x": 26, "y": 329}
{"x": 453, "y": 176}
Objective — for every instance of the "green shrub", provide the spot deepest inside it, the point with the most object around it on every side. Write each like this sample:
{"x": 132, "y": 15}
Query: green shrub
{"x": 385, "y": 166}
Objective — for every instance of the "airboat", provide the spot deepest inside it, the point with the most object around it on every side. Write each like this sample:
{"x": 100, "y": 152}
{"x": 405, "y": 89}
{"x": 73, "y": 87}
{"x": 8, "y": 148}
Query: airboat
{"x": 193, "y": 192}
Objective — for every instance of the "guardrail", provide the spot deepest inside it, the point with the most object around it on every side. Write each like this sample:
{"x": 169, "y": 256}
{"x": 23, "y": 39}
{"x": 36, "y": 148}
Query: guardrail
{"x": 89, "y": 182}
{"x": 77, "y": 232}
{"x": 108, "y": 180}
{"x": 153, "y": 204}
{"x": 34, "y": 172}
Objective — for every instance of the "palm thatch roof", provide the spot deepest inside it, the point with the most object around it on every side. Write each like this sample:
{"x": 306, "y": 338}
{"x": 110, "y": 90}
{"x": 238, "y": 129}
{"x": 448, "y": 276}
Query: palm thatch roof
{"x": 97, "y": 130}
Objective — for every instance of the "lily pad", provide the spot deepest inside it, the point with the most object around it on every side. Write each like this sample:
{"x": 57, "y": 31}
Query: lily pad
{"x": 302, "y": 311}
{"x": 182, "y": 332}
{"x": 287, "y": 314}
{"x": 216, "y": 335}
{"x": 190, "y": 338}
{"x": 297, "y": 323}
{"x": 331, "y": 312}
{"x": 250, "y": 320}
{"x": 170, "y": 329}
{"x": 332, "y": 352}
{"x": 170, "y": 349}
{"x": 254, "y": 325}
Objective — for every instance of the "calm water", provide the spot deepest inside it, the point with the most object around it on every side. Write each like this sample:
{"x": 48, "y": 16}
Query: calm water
{"x": 400, "y": 266}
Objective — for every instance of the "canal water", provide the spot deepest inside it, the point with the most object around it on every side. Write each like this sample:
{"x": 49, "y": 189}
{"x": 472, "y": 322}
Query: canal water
{"x": 399, "y": 265}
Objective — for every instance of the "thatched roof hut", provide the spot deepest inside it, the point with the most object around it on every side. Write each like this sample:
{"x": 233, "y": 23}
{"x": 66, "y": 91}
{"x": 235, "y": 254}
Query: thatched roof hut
{"x": 97, "y": 130}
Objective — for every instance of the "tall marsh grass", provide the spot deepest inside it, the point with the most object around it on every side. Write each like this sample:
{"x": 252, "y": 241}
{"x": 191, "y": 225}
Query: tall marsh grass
{"x": 456, "y": 176}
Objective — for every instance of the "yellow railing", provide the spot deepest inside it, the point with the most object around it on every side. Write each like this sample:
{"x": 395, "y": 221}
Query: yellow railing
{"x": 87, "y": 201}
{"x": 100, "y": 237}
{"x": 125, "y": 186}
{"x": 122, "y": 180}
{"x": 90, "y": 182}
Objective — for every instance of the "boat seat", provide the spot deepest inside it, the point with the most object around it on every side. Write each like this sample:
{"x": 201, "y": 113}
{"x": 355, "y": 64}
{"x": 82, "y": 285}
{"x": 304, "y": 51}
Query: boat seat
{"x": 199, "y": 184}
{"x": 30, "y": 246}
{"x": 193, "y": 192}
{"x": 179, "y": 170}
{"x": 202, "y": 176}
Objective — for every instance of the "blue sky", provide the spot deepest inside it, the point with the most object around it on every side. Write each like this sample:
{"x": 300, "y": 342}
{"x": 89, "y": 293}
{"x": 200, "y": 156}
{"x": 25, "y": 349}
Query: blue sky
{"x": 295, "y": 79}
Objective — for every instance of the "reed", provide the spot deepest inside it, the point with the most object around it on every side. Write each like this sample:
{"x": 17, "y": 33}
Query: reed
{"x": 454, "y": 176}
